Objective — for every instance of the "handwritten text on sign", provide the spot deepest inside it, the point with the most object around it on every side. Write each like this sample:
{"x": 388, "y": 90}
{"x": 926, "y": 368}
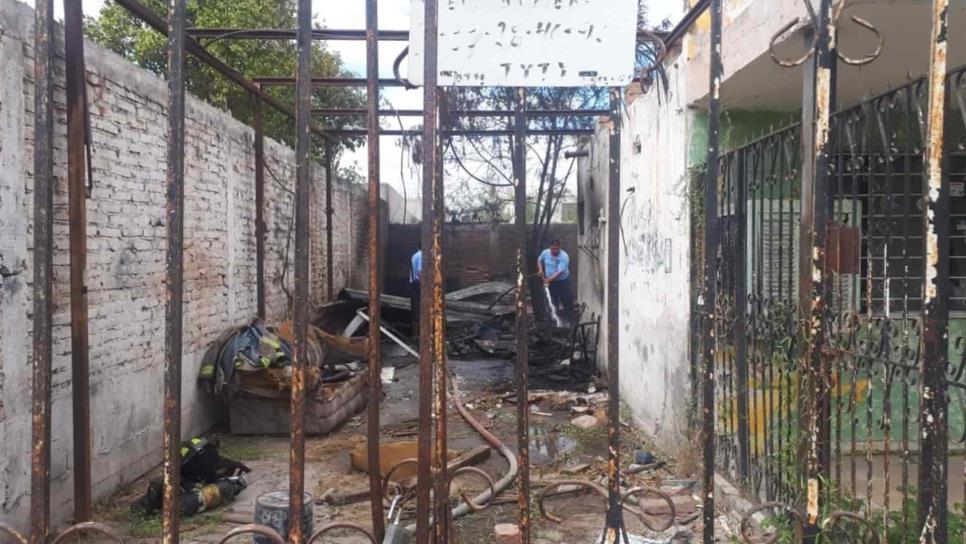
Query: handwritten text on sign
{"x": 529, "y": 43}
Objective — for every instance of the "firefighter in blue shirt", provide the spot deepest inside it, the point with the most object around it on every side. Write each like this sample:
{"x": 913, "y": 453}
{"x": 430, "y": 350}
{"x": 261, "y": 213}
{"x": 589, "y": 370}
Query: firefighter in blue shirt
{"x": 554, "y": 266}
{"x": 415, "y": 275}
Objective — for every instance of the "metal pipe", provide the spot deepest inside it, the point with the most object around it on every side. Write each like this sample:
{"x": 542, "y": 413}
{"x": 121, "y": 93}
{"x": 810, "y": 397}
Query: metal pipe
{"x": 933, "y": 467}
{"x": 329, "y": 256}
{"x": 361, "y": 132}
{"x": 615, "y": 513}
{"x": 522, "y": 318}
{"x": 398, "y": 341}
{"x": 148, "y": 17}
{"x": 333, "y": 81}
{"x": 375, "y": 276}
{"x": 328, "y": 34}
{"x": 174, "y": 279}
{"x": 43, "y": 271}
{"x": 711, "y": 241}
{"x": 530, "y": 114}
{"x": 260, "y": 227}
{"x": 427, "y": 331}
{"x": 75, "y": 76}
{"x": 303, "y": 179}
{"x": 814, "y": 233}
{"x": 438, "y": 306}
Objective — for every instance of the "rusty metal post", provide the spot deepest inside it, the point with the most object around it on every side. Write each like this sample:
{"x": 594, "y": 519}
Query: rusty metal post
{"x": 303, "y": 110}
{"x": 522, "y": 318}
{"x": 43, "y": 271}
{"x": 441, "y": 365}
{"x": 431, "y": 216}
{"x": 933, "y": 483}
{"x": 709, "y": 297}
{"x": 816, "y": 371}
{"x": 375, "y": 276}
{"x": 329, "y": 180}
{"x": 77, "y": 195}
{"x": 260, "y": 227}
{"x": 615, "y": 514}
{"x": 174, "y": 279}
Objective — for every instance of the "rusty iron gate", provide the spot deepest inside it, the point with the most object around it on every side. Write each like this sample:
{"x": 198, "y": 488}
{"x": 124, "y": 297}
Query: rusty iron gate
{"x": 834, "y": 360}
{"x": 433, "y": 510}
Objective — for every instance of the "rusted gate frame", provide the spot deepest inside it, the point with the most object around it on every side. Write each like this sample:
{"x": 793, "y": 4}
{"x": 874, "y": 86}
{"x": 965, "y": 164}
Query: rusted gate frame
{"x": 177, "y": 46}
{"x": 709, "y": 296}
{"x": 818, "y": 211}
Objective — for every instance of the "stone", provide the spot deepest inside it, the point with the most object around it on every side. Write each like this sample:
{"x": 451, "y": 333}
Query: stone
{"x": 584, "y": 422}
{"x": 507, "y": 533}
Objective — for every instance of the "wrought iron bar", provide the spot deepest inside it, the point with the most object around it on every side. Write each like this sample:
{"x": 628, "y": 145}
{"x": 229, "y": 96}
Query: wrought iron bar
{"x": 361, "y": 112}
{"x": 77, "y": 134}
{"x": 441, "y": 368}
{"x": 151, "y": 19}
{"x": 260, "y": 226}
{"x": 431, "y": 215}
{"x": 615, "y": 514}
{"x": 934, "y": 446}
{"x": 522, "y": 317}
{"x": 43, "y": 271}
{"x": 303, "y": 180}
{"x": 174, "y": 283}
{"x": 329, "y": 250}
{"x": 359, "y": 132}
{"x": 375, "y": 279}
{"x": 710, "y": 273}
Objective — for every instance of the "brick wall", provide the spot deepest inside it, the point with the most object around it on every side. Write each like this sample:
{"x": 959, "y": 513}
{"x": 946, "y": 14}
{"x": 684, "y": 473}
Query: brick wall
{"x": 473, "y": 253}
{"x": 126, "y": 259}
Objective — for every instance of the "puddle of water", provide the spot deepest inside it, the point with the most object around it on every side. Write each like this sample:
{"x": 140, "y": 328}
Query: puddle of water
{"x": 548, "y": 447}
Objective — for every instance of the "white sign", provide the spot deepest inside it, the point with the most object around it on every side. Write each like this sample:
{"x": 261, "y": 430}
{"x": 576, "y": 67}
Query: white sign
{"x": 529, "y": 43}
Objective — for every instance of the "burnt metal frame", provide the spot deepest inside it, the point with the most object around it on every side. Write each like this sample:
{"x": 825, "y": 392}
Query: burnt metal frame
{"x": 434, "y": 373}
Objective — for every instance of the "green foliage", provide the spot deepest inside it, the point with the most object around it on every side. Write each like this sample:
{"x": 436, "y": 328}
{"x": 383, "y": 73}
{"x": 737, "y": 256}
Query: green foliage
{"x": 116, "y": 29}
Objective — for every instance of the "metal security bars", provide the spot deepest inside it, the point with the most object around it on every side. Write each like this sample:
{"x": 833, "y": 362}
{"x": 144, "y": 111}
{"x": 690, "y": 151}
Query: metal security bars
{"x": 859, "y": 454}
{"x": 433, "y": 506}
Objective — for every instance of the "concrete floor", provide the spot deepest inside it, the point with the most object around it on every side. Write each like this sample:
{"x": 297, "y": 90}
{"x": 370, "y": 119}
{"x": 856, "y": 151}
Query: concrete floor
{"x": 555, "y": 444}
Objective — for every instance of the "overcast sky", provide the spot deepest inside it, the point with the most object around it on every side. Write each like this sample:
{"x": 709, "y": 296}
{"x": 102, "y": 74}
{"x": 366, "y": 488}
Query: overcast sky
{"x": 393, "y": 15}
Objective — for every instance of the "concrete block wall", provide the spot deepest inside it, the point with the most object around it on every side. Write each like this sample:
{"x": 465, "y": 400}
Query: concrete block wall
{"x": 473, "y": 253}
{"x": 126, "y": 260}
{"x": 654, "y": 308}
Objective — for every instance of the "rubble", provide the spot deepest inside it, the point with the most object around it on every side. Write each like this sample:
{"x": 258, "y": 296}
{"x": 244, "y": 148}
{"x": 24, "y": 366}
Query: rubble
{"x": 585, "y": 422}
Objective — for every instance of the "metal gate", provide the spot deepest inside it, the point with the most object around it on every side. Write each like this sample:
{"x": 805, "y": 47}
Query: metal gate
{"x": 432, "y": 497}
{"x": 833, "y": 371}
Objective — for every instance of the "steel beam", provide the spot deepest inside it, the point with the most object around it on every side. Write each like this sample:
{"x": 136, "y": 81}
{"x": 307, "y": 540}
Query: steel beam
{"x": 522, "y": 317}
{"x": 43, "y": 271}
{"x": 375, "y": 279}
{"x": 303, "y": 179}
{"x": 711, "y": 241}
{"x": 174, "y": 276}
{"x": 933, "y": 466}
{"x": 75, "y": 75}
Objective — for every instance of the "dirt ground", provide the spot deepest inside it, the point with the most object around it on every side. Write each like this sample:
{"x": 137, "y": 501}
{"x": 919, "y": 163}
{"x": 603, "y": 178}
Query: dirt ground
{"x": 559, "y": 451}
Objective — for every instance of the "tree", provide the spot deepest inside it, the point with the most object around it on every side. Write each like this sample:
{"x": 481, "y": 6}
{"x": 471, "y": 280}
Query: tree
{"x": 121, "y": 32}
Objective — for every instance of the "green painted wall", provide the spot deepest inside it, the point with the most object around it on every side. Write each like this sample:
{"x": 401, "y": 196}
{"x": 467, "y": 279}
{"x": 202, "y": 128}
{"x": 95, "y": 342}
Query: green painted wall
{"x": 738, "y": 127}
